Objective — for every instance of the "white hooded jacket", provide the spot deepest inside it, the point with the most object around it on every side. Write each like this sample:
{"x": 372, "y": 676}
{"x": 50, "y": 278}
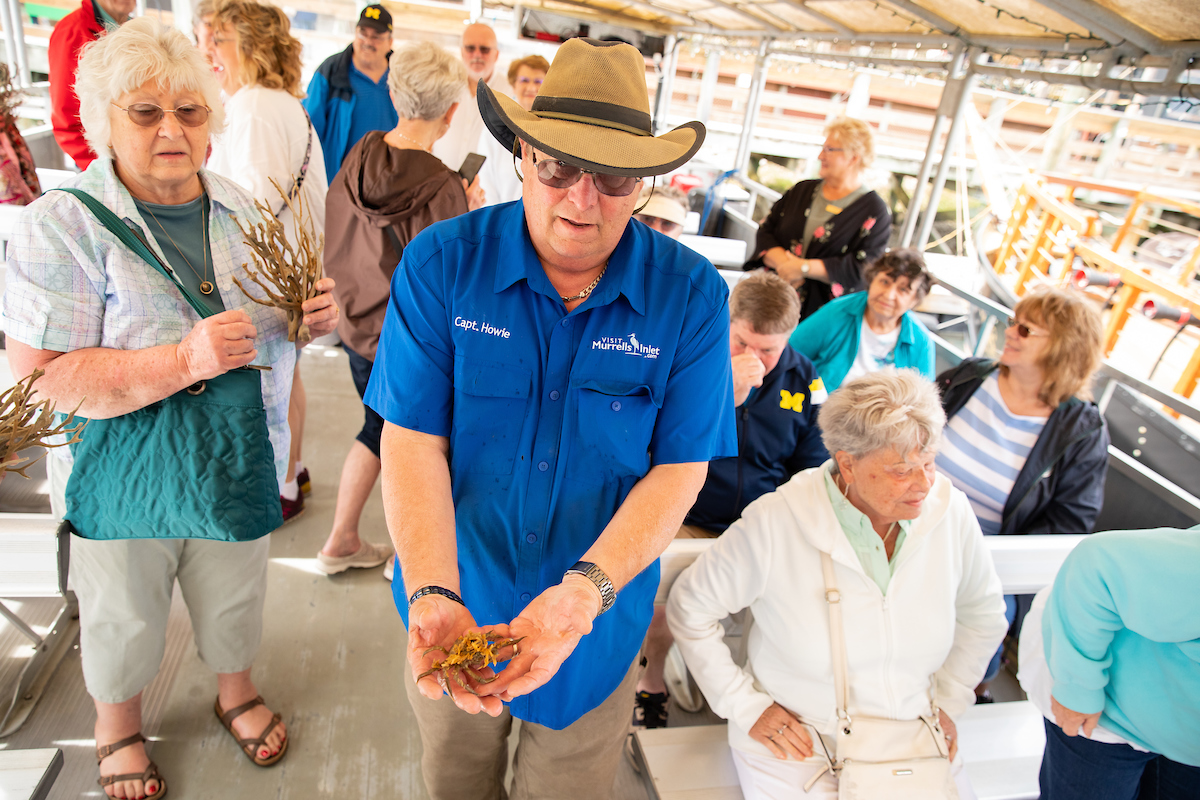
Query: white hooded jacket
{"x": 942, "y": 617}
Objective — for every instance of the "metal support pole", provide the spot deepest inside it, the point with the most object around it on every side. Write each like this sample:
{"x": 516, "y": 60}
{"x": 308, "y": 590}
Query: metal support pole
{"x": 670, "y": 64}
{"x": 757, "y": 83}
{"x": 11, "y": 40}
{"x": 18, "y": 28}
{"x": 708, "y": 85}
{"x": 183, "y": 11}
{"x": 956, "y": 125}
{"x": 914, "y": 202}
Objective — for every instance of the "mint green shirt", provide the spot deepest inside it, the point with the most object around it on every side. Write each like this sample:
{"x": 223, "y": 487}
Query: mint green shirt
{"x": 866, "y": 542}
{"x": 105, "y": 18}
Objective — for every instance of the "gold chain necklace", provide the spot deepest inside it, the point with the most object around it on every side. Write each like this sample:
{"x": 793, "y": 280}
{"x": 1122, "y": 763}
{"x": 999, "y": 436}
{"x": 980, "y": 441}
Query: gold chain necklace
{"x": 588, "y": 290}
{"x": 206, "y": 286}
{"x": 424, "y": 148}
{"x": 839, "y": 482}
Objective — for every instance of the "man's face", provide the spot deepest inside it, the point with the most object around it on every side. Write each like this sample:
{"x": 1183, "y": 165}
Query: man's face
{"x": 768, "y": 347}
{"x": 120, "y": 10}
{"x": 479, "y": 51}
{"x": 371, "y": 45}
{"x": 576, "y": 226}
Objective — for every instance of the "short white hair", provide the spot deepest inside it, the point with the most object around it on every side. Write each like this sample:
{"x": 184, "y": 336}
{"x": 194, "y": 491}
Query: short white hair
{"x": 425, "y": 80}
{"x": 141, "y": 51}
{"x": 897, "y": 409}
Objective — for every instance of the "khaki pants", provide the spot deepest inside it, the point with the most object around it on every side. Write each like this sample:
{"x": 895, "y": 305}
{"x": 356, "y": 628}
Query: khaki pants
{"x": 124, "y": 588}
{"x": 466, "y": 755}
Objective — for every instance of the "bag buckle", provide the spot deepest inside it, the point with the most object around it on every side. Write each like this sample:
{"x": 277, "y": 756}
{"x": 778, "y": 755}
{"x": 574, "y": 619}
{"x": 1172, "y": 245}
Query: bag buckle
{"x": 197, "y": 388}
{"x": 833, "y": 596}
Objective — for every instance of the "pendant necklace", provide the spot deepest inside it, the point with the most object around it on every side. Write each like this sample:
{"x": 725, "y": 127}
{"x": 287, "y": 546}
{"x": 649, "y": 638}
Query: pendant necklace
{"x": 206, "y": 286}
{"x": 589, "y": 289}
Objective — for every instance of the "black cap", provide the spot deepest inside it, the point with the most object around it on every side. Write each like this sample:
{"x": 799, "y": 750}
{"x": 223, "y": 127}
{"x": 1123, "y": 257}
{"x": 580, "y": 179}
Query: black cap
{"x": 377, "y": 18}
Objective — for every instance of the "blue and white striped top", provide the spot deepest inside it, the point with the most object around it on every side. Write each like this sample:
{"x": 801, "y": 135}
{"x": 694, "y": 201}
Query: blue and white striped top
{"x": 983, "y": 449}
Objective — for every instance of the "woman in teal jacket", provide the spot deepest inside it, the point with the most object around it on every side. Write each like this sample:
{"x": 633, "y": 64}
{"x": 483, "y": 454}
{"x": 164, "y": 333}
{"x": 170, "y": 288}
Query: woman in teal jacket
{"x": 867, "y": 331}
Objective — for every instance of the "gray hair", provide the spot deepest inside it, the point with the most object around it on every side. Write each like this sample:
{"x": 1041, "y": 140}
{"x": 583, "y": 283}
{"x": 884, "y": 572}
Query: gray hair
{"x": 895, "y": 408}
{"x": 425, "y": 80}
{"x": 140, "y": 51}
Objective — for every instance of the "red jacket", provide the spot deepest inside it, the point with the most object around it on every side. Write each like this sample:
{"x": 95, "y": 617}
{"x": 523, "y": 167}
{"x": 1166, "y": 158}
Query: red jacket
{"x": 71, "y": 33}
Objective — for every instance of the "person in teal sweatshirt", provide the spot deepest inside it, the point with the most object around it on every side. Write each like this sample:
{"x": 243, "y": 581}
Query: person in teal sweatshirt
{"x": 867, "y": 331}
{"x": 1121, "y": 631}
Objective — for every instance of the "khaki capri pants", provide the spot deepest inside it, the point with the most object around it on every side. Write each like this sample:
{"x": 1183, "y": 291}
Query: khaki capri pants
{"x": 124, "y": 588}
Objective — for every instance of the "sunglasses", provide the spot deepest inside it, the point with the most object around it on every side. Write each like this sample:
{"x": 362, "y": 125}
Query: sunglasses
{"x": 482, "y": 49}
{"x": 1023, "y": 330}
{"x": 558, "y": 175}
{"x": 147, "y": 115}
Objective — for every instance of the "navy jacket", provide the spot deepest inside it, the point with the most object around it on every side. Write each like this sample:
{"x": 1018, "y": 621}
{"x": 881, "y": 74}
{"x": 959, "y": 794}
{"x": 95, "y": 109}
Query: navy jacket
{"x": 330, "y": 106}
{"x": 777, "y": 437}
{"x": 1061, "y": 487}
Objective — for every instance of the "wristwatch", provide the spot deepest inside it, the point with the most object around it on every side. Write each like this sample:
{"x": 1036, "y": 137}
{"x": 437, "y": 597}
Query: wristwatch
{"x": 608, "y": 595}
{"x": 804, "y": 267}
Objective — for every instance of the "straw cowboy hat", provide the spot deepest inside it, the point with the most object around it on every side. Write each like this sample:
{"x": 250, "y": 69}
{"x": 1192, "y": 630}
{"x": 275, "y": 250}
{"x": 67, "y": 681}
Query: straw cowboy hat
{"x": 593, "y": 112}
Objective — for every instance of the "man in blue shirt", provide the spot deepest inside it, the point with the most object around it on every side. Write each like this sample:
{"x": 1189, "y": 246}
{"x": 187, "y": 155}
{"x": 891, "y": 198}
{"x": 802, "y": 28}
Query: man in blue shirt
{"x": 553, "y": 380}
{"x": 776, "y": 392}
{"x": 348, "y": 94}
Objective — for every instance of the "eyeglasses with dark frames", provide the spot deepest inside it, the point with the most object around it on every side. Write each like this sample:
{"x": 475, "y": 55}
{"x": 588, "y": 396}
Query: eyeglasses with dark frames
{"x": 147, "y": 115}
{"x": 1023, "y": 330}
{"x": 482, "y": 49}
{"x": 560, "y": 175}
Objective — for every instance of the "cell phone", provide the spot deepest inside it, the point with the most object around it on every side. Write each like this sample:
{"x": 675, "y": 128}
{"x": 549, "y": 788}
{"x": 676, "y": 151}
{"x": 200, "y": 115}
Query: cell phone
{"x": 471, "y": 166}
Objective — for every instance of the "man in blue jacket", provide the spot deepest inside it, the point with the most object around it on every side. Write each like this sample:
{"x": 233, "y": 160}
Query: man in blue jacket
{"x": 348, "y": 94}
{"x": 776, "y": 392}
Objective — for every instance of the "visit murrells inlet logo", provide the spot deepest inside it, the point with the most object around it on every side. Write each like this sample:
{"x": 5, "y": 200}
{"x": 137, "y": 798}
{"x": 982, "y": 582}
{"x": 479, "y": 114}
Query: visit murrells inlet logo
{"x": 629, "y": 345}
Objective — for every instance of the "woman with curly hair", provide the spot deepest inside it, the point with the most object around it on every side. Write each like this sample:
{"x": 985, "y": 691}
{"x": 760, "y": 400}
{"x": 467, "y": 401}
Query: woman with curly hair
{"x": 269, "y": 136}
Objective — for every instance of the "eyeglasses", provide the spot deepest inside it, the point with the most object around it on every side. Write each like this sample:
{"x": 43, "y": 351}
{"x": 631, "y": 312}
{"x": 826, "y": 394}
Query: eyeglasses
{"x": 559, "y": 175}
{"x": 659, "y": 224}
{"x": 534, "y": 81}
{"x": 147, "y": 115}
{"x": 482, "y": 49}
{"x": 1023, "y": 330}
{"x": 828, "y": 149}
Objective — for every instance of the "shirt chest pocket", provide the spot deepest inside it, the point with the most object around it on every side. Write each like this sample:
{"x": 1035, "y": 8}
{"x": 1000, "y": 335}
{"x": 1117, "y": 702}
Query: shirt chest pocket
{"x": 616, "y": 423}
{"x": 490, "y": 402}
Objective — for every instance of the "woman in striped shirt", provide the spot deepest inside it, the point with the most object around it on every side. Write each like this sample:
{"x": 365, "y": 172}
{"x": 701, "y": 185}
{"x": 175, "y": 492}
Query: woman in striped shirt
{"x": 1023, "y": 440}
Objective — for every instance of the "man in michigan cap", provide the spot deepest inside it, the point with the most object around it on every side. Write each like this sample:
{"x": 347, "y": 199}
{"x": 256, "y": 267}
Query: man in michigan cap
{"x": 554, "y": 380}
{"x": 348, "y": 94}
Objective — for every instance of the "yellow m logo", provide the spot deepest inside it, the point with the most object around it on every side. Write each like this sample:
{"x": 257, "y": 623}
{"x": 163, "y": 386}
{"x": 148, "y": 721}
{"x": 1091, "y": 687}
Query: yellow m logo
{"x": 373, "y": 13}
{"x": 793, "y": 401}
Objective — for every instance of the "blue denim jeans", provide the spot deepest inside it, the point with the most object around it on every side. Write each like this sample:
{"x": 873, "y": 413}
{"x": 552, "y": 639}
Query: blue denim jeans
{"x": 1010, "y": 613}
{"x": 1075, "y": 768}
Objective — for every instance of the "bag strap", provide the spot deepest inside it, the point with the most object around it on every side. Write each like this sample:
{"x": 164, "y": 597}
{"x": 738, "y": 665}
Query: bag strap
{"x": 135, "y": 243}
{"x": 837, "y": 636}
{"x": 303, "y": 166}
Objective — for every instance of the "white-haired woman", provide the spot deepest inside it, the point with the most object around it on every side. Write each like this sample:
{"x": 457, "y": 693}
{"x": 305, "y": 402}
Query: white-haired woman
{"x": 130, "y": 308}
{"x": 822, "y": 233}
{"x": 920, "y": 601}
{"x": 390, "y": 188}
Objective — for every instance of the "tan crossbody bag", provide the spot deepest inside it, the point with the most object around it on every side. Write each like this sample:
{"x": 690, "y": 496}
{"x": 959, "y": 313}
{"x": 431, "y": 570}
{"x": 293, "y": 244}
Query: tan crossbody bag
{"x": 882, "y": 759}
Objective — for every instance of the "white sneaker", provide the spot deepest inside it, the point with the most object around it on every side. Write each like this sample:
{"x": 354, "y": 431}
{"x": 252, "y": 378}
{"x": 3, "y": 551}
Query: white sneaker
{"x": 389, "y": 569}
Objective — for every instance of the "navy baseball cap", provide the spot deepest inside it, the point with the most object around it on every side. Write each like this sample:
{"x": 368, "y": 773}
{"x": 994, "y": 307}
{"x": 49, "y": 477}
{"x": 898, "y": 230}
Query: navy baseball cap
{"x": 377, "y": 18}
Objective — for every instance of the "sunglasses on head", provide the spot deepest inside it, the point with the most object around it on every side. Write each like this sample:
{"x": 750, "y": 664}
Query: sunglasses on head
{"x": 559, "y": 175}
{"x": 1023, "y": 330}
{"x": 147, "y": 115}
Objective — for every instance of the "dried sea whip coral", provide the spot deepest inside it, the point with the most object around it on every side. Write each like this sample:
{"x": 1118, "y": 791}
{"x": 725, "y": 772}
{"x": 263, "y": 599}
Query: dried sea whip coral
{"x": 25, "y": 423}
{"x": 292, "y": 274}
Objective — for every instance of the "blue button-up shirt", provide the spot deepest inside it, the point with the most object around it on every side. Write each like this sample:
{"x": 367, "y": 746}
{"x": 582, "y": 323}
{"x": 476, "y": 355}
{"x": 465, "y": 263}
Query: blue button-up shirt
{"x": 373, "y": 108}
{"x": 552, "y": 416}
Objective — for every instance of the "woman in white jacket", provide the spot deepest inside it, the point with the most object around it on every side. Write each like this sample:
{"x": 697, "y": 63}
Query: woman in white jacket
{"x": 921, "y": 603}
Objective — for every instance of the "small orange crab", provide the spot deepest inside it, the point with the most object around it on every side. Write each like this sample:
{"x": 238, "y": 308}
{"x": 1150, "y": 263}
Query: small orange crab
{"x": 470, "y": 653}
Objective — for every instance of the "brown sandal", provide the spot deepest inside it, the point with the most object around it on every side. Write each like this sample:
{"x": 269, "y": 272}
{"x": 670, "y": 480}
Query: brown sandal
{"x": 151, "y": 773}
{"x": 250, "y": 746}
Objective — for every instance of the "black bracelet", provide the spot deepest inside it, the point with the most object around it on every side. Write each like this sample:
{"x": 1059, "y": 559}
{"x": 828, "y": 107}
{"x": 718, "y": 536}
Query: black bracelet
{"x": 428, "y": 590}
